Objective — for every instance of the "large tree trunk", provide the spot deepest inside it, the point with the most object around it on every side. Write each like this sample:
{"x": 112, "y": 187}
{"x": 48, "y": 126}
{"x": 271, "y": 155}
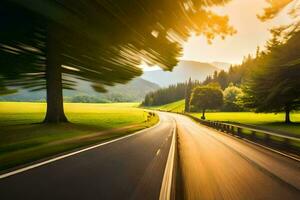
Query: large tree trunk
{"x": 287, "y": 115}
{"x": 55, "y": 108}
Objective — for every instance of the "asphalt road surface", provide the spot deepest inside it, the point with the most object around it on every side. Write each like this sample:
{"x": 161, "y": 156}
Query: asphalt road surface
{"x": 213, "y": 166}
{"x": 130, "y": 168}
{"x": 218, "y": 166}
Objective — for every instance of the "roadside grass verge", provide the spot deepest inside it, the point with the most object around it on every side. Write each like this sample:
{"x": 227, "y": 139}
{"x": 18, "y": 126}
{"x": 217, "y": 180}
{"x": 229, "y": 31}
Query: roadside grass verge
{"x": 177, "y": 106}
{"x": 269, "y": 121}
{"x": 24, "y": 139}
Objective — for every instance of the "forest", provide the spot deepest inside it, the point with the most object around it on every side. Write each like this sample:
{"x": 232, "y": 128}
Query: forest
{"x": 265, "y": 82}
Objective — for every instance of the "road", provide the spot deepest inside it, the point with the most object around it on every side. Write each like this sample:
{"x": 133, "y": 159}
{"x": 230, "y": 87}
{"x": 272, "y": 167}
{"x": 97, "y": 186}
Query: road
{"x": 217, "y": 166}
{"x": 212, "y": 165}
{"x": 130, "y": 168}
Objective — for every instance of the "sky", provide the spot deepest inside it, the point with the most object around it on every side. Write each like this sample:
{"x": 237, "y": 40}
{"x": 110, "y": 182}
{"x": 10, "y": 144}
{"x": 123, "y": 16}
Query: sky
{"x": 251, "y": 32}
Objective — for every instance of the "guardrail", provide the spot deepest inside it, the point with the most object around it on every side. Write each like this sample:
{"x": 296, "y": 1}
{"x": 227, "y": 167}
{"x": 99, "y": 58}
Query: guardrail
{"x": 267, "y": 137}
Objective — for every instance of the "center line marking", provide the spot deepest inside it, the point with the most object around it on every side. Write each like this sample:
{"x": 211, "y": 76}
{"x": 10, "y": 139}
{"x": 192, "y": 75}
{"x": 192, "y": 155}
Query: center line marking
{"x": 158, "y": 151}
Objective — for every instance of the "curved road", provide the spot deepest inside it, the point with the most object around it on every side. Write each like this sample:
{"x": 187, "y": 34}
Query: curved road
{"x": 131, "y": 168}
{"x": 218, "y": 166}
{"x": 213, "y": 166}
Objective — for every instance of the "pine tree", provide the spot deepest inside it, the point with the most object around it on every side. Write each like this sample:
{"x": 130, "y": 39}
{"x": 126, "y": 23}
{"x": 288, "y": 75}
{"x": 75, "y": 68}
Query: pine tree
{"x": 188, "y": 93}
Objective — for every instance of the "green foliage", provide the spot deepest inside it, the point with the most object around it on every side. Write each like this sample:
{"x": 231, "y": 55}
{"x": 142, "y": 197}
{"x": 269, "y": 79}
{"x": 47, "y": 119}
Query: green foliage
{"x": 236, "y": 74}
{"x": 169, "y": 94}
{"x": 177, "y": 106}
{"x": 100, "y": 41}
{"x": 103, "y": 42}
{"x": 232, "y": 95}
{"x": 274, "y": 85}
{"x": 86, "y": 99}
{"x": 188, "y": 93}
{"x": 165, "y": 95}
{"x": 206, "y": 97}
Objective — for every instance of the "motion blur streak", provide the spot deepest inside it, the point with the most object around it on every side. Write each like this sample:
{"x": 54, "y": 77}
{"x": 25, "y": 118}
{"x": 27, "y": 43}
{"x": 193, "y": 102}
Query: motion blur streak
{"x": 216, "y": 166}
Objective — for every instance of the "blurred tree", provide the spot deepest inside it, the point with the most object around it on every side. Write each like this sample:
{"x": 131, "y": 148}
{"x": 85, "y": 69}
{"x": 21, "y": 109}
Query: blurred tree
{"x": 231, "y": 97}
{"x": 101, "y": 41}
{"x": 206, "y": 97}
{"x": 275, "y": 6}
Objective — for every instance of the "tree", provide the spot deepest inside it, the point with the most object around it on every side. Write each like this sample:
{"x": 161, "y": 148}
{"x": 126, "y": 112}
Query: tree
{"x": 232, "y": 95}
{"x": 222, "y": 79}
{"x": 274, "y": 85}
{"x": 206, "y": 97}
{"x": 275, "y": 6}
{"x": 103, "y": 42}
{"x": 188, "y": 92}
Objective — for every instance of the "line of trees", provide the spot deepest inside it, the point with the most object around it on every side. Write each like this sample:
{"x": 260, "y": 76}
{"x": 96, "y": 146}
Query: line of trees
{"x": 103, "y": 42}
{"x": 170, "y": 94}
{"x": 266, "y": 82}
{"x": 270, "y": 80}
{"x": 165, "y": 95}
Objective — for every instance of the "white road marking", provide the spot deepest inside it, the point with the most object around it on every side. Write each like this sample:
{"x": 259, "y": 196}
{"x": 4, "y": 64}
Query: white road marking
{"x": 72, "y": 154}
{"x": 166, "y": 186}
{"x": 158, "y": 151}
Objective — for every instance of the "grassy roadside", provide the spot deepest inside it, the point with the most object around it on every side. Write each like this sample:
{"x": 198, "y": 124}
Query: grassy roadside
{"x": 177, "y": 106}
{"x": 23, "y": 139}
{"x": 269, "y": 121}
{"x": 265, "y": 120}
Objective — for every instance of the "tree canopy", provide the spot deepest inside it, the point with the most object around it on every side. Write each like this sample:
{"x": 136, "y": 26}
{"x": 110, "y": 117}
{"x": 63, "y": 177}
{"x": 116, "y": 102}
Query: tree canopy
{"x": 103, "y": 41}
{"x": 99, "y": 41}
{"x": 232, "y": 95}
{"x": 206, "y": 97}
{"x": 274, "y": 85}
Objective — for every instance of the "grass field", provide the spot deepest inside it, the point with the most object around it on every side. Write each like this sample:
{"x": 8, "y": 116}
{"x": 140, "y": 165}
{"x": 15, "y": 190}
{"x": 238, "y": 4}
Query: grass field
{"x": 265, "y": 120}
{"x": 24, "y": 139}
{"x": 177, "y": 106}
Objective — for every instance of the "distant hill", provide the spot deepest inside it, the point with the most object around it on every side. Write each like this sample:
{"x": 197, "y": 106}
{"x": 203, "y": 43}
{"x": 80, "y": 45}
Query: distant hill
{"x": 182, "y": 72}
{"x": 135, "y": 90}
{"x": 221, "y": 65}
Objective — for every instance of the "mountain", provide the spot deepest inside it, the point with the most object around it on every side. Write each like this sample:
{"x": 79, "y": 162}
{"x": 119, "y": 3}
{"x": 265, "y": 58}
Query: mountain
{"x": 135, "y": 90}
{"x": 182, "y": 72}
{"x": 221, "y": 65}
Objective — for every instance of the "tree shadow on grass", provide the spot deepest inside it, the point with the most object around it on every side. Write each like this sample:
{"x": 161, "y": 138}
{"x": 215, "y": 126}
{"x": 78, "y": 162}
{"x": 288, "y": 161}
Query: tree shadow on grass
{"x": 40, "y": 131}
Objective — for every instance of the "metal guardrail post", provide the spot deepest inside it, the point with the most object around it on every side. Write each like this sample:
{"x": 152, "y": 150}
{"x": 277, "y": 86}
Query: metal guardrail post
{"x": 267, "y": 138}
{"x": 239, "y": 131}
{"x": 286, "y": 143}
{"x": 225, "y": 128}
{"x": 253, "y": 134}
{"x": 286, "y": 140}
{"x": 232, "y": 130}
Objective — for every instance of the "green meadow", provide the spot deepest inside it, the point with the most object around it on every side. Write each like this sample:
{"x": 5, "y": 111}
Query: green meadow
{"x": 177, "y": 106}
{"x": 269, "y": 121}
{"x": 24, "y": 139}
